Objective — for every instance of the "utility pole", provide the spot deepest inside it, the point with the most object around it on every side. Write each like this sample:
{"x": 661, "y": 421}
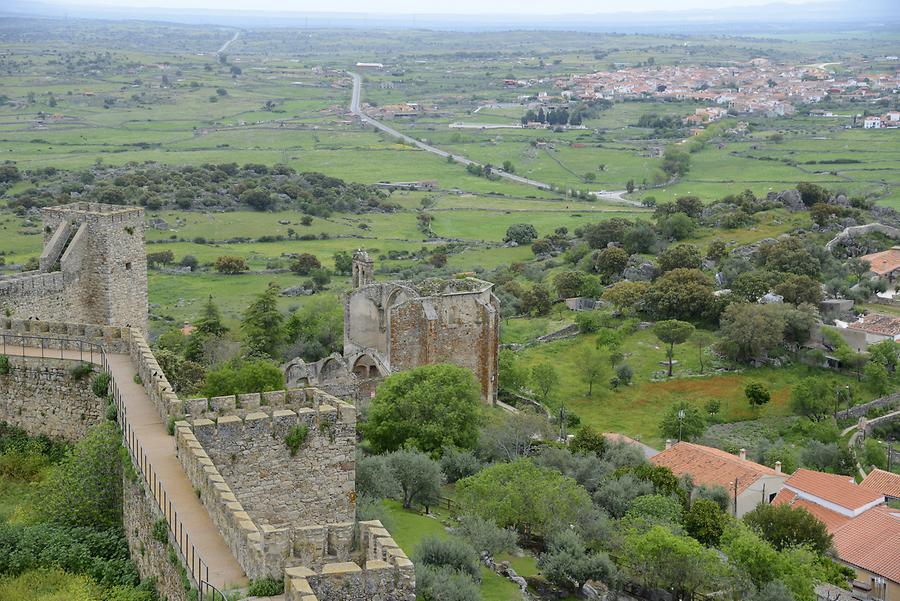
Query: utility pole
{"x": 680, "y": 423}
{"x": 735, "y": 496}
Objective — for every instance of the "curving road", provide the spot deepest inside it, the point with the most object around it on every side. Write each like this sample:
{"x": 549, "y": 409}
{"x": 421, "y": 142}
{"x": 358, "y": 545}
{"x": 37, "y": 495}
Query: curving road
{"x": 366, "y": 120}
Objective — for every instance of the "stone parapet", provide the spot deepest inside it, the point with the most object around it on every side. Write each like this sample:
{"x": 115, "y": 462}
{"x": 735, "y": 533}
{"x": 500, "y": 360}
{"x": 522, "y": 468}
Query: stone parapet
{"x": 34, "y": 283}
{"x": 152, "y": 377}
{"x": 385, "y": 574}
{"x": 64, "y": 335}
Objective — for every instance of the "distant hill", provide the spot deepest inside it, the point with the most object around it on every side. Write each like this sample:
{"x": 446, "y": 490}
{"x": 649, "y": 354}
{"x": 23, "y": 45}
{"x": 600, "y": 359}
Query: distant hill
{"x": 775, "y": 17}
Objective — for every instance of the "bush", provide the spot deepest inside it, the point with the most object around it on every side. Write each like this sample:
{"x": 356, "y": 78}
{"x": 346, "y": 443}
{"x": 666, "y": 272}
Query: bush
{"x": 374, "y": 478}
{"x": 485, "y": 536}
{"x": 248, "y": 377}
{"x": 81, "y": 371}
{"x": 4, "y": 365}
{"x": 457, "y": 464}
{"x": 100, "y": 385}
{"x": 568, "y": 564}
{"x": 22, "y": 465}
{"x": 266, "y": 587}
{"x": 160, "y": 531}
{"x": 452, "y": 553}
{"x": 295, "y": 438}
{"x": 444, "y": 584}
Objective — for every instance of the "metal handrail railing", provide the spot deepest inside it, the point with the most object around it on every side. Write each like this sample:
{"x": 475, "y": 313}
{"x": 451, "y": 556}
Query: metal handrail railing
{"x": 95, "y": 354}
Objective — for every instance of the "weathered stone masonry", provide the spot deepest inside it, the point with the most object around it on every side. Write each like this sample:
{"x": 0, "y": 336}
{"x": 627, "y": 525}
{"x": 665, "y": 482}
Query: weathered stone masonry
{"x": 93, "y": 269}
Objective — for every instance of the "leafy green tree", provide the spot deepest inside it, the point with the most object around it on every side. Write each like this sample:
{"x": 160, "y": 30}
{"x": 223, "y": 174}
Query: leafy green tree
{"x": 799, "y": 289}
{"x": 609, "y": 262}
{"x": 520, "y": 233}
{"x": 591, "y": 368}
{"x": 536, "y": 301}
{"x": 676, "y": 162}
{"x": 706, "y": 522}
{"x": 304, "y": 263}
{"x": 626, "y": 296}
{"x": 343, "y": 262}
{"x": 523, "y": 496}
{"x": 588, "y": 441}
{"x": 751, "y": 285}
{"x": 750, "y": 331}
{"x": 874, "y": 454}
{"x": 262, "y": 324}
{"x": 784, "y": 526}
{"x": 682, "y": 421}
{"x": 545, "y": 380}
{"x": 316, "y": 329}
{"x": 686, "y": 256}
{"x": 427, "y": 408}
{"x": 640, "y": 238}
{"x": 485, "y": 536}
{"x": 600, "y": 234}
{"x": 789, "y": 255}
{"x": 616, "y": 494}
{"x": 812, "y": 194}
{"x": 245, "y": 377}
{"x": 230, "y": 265}
{"x": 716, "y": 249}
{"x": 672, "y": 332}
{"x": 375, "y": 479}
{"x": 658, "y": 558}
{"x": 812, "y": 398}
{"x": 677, "y": 226}
{"x": 258, "y": 198}
{"x": 680, "y": 294}
{"x": 512, "y": 375}
{"x": 85, "y": 488}
{"x": 886, "y": 353}
{"x": 511, "y": 436}
{"x": 569, "y": 284}
{"x": 648, "y": 510}
{"x": 757, "y": 394}
{"x": 418, "y": 475}
{"x": 877, "y": 378}
{"x": 210, "y": 323}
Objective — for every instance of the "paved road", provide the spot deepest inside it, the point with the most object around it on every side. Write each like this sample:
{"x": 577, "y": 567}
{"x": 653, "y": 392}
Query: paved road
{"x": 225, "y": 46}
{"x": 148, "y": 432}
{"x": 366, "y": 120}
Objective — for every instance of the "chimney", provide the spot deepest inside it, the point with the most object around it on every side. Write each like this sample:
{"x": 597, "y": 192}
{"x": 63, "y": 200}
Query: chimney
{"x": 743, "y": 454}
{"x": 777, "y": 467}
{"x": 668, "y": 443}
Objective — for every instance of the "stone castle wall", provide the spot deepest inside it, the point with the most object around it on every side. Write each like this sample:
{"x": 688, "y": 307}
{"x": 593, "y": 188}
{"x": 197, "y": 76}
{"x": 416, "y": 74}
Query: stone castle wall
{"x": 93, "y": 269}
{"x": 151, "y": 556}
{"x": 274, "y": 510}
{"x": 384, "y": 573}
{"x": 41, "y": 396}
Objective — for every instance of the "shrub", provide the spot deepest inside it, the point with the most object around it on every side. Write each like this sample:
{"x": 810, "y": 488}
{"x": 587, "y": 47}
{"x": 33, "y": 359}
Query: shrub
{"x": 100, "y": 385}
{"x": 452, "y": 553}
{"x": 444, "y": 584}
{"x": 22, "y": 465}
{"x": 567, "y": 563}
{"x": 374, "y": 478}
{"x": 112, "y": 413}
{"x": 266, "y": 587}
{"x": 485, "y": 536}
{"x": 295, "y": 438}
{"x": 4, "y": 365}
{"x": 81, "y": 371}
{"x": 457, "y": 464}
{"x": 160, "y": 531}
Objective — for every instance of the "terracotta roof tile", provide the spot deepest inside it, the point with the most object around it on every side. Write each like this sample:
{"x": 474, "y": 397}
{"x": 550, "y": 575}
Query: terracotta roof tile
{"x": 882, "y": 482}
{"x": 884, "y": 262}
{"x": 840, "y": 490}
{"x": 871, "y": 541}
{"x": 832, "y": 519}
{"x": 712, "y": 467}
{"x": 885, "y": 325}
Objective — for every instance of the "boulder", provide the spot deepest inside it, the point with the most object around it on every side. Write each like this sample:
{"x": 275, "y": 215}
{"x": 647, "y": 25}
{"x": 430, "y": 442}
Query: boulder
{"x": 791, "y": 200}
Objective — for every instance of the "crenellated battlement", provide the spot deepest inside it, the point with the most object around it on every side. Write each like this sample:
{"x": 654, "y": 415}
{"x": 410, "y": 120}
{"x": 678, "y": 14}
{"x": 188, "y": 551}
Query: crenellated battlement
{"x": 300, "y": 400}
{"x": 386, "y": 573}
{"x": 67, "y": 336}
{"x": 33, "y": 282}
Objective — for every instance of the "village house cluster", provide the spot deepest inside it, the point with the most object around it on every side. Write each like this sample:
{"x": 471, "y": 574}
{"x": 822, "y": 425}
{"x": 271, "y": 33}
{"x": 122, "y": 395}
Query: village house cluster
{"x": 759, "y": 86}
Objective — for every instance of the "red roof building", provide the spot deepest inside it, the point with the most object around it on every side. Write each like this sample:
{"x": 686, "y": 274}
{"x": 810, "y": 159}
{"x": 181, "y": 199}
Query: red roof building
{"x": 882, "y": 482}
{"x": 747, "y": 482}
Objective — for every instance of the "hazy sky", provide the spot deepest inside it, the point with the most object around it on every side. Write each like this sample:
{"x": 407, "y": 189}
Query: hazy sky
{"x": 534, "y": 7}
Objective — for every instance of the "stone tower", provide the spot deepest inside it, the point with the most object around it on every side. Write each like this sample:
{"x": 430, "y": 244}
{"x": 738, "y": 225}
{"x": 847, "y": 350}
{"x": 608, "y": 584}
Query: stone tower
{"x": 93, "y": 269}
{"x": 363, "y": 269}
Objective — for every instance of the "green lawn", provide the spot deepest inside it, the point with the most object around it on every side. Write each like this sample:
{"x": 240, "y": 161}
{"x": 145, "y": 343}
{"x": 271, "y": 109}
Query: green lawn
{"x": 409, "y": 527}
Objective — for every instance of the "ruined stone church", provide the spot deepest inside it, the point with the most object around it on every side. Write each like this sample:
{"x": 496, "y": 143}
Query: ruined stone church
{"x": 398, "y": 325}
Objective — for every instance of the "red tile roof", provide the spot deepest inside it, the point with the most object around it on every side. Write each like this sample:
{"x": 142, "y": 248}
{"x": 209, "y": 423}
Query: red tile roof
{"x": 833, "y": 488}
{"x": 874, "y": 323}
{"x": 832, "y": 519}
{"x": 871, "y": 541}
{"x": 884, "y": 262}
{"x": 712, "y": 467}
{"x": 882, "y": 482}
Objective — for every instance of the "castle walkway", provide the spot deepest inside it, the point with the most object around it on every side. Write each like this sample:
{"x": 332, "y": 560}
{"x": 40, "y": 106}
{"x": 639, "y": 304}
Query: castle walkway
{"x": 205, "y": 553}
